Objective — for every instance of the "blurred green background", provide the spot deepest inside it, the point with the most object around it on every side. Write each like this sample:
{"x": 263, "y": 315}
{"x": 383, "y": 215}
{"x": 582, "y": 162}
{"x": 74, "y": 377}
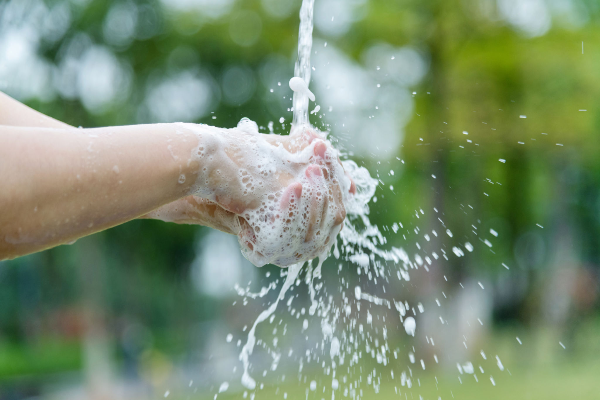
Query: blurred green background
{"x": 477, "y": 116}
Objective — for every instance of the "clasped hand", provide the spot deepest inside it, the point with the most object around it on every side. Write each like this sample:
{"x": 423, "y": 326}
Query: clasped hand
{"x": 283, "y": 196}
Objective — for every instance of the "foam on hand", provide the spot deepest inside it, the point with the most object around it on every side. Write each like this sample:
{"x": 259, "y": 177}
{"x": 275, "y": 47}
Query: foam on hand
{"x": 290, "y": 201}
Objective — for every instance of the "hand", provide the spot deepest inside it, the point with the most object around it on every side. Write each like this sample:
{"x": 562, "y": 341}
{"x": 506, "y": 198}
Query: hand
{"x": 195, "y": 210}
{"x": 283, "y": 196}
{"x": 299, "y": 207}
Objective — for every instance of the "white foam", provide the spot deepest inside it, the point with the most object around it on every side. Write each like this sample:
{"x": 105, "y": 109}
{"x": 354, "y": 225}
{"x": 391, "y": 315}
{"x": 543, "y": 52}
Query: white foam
{"x": 288, "y": 201}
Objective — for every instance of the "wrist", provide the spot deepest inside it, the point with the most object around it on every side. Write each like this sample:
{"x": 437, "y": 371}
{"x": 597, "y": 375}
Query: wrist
{"x": 183, "y": 146}
{"x": 216, "y": 162}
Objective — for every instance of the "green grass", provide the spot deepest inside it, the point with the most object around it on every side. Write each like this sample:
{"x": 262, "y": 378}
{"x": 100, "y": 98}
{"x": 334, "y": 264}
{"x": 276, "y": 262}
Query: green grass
{"x": 44, "y": 357}
{"x": 578, "y": 381}
{"x": 539, "y": 369}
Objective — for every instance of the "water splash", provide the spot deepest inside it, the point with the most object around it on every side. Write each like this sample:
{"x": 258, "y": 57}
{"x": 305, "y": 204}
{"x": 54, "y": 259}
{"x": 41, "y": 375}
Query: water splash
{"x": 358, "y": 237}
{"x": 344, "y": 340}
{"x": 247, "y": 380}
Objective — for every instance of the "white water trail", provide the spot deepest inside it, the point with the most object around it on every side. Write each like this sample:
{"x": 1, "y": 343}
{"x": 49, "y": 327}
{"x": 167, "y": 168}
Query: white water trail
{"x": 301, "y": 97}
{"x": 302, "y": 68}
{"x": 302, "y": 94}
{"x": 345, "y": 338}
{"x": 359, "y": 239}
{"x": 247, "y": 380}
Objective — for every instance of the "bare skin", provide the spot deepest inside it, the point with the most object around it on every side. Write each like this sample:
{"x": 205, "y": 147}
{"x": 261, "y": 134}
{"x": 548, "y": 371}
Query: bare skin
{"x": 60, "y": 183}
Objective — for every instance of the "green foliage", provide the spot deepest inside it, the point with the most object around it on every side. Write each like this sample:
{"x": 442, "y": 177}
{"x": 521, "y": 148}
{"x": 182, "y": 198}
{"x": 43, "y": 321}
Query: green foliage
{"x": 483, "y": 76}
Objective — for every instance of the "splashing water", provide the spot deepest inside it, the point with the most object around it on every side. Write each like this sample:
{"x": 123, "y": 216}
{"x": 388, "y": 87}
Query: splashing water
{"x": 299, "y": 84}
{"x": 247, "y": 380}
{"x": 356, "y": 242}
{"x": 344, "y": 348}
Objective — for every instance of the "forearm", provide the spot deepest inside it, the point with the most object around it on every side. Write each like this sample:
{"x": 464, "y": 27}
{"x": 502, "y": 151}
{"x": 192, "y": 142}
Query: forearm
{"x": 14, "y": 113}
{"x": 282, "y": 196}
{"x": 187, "y": 210}
{"x": 57, "y": 185}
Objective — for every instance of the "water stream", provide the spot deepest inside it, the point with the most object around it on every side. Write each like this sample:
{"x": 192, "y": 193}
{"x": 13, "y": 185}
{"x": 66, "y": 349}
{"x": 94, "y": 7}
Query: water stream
{"x": 302, "y": 68}
{"x": 355, "y": 242}
{"x": 351, "y": 353}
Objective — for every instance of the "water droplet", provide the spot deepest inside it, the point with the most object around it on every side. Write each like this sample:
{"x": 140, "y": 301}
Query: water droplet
{"x": 224, "y": 386}
{"x": 410, "y": 326}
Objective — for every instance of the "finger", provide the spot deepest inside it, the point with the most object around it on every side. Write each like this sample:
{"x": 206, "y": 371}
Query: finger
{"x": 291, "y": 195}
{"x": 313, "y": 172}
{"x": 352, "y": 188}
{"x": 323, "y": 155}
{"x": 320, "y": 155}
{"x": 320, "y": 149}
{"x": 352, "y": 184}
{"x": 321, "y": 185}
{"x": 302, "y": 138}
{"x": 310, "y": 134}
{"x": 340, "y": 212}
{"x": 324, "y": 208}
{"x": 314, "y": 175}
{"x": 312, "y": 218}
{"x": 246, "y": 234}
{"x": 306, "y": 133}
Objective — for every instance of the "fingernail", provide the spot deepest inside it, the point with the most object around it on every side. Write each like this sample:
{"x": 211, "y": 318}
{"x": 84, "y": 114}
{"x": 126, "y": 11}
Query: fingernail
{"x": 313, "y": 170}
{"x": 320, "y": 149}
{"x": 298, "y": 190}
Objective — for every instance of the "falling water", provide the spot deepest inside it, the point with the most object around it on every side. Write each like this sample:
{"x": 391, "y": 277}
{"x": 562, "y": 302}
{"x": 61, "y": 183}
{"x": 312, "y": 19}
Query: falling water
{"x": 354, "y": 241}
{"x": 302, "y": 69}
{"x": 345, "y": 339}
{"x": 247, "y": 380}
{"x": 301, "y": 96}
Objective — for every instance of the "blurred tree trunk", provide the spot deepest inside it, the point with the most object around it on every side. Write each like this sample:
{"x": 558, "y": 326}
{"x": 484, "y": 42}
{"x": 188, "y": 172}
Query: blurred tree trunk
{"x": 561, "y": 290}
{"x": 450, "y": 30}
{"x": 97, "y": 349}
{"x": 430, "y": 282}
